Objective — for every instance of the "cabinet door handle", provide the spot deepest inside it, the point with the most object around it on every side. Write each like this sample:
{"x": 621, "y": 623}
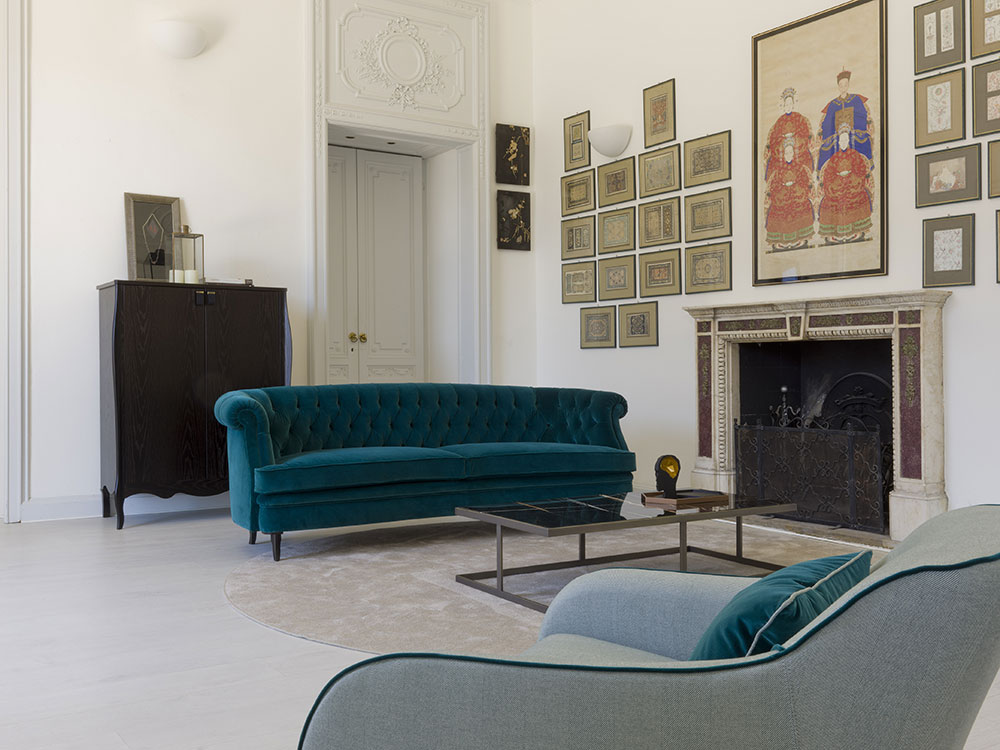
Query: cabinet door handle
{"x": 209, "y": 298}
{"x": 199, "y": 297}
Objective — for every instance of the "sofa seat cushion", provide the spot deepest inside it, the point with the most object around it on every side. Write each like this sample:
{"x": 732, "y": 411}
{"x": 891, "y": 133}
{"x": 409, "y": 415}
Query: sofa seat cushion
{"x": 357, "y": 467}
{"x": 521, "y": 459}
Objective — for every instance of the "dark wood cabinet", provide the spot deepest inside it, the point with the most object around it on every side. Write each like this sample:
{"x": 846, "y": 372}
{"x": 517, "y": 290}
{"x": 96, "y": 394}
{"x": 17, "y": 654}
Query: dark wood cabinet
{"x": 168, "y": 351}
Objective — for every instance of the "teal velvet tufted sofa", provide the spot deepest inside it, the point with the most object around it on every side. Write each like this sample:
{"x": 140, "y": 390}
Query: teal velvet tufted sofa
{"x": 313, "y": 457}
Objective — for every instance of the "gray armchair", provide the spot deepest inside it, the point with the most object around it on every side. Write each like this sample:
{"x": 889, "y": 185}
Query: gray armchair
{"x": 902, "y": 660}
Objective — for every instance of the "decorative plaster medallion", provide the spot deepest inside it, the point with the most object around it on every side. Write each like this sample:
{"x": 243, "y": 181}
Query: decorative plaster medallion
{"x": 399, "y": 59}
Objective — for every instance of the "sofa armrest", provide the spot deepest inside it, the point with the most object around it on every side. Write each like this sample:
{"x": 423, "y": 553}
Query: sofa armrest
{"x": 248, "y": 440}
{"x": 663, "y": 612}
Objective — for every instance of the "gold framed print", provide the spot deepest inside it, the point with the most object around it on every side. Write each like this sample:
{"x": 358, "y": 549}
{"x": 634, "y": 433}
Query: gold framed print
{"x": 597, "y": 327}
{"x": 577, "y": 192}
{"x": 616, "y": 278}
{"x": 707, "y": 159}
{"x": 660, "y": 273}
{"x": 576, "y": 141}
{"x": 578, "y": 238}
{"x": 708, "y": 268}
{"x": 658, "y": 114}
{"x": 578, "y": 282}
{"x": 993, "y": 169}
{"x": 939, "y": 108}
{"x": 637, "y": 324}
{"x": 819, "y": 135}
{"x": 660, "y": 171}
{"x": 660, "y": 222}
{"x": 950, "y": 251}
{"x": 984, "y": 21}
{"x": 938, "y": 35}
{"x": 616, "y": 230}
{"x": 951, "y": 175}
{"x": 616, "y": 182}
{"x": 708, "y": 215}
{"x": 986, "y": 98}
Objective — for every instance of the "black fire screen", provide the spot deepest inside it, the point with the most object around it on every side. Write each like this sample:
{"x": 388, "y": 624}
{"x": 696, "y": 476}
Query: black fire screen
{"x": 835, "y": 476}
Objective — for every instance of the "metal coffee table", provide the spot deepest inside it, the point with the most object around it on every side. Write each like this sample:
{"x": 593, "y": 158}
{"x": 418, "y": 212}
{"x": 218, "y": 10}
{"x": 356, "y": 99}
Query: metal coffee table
{"x": 595, "y": 513}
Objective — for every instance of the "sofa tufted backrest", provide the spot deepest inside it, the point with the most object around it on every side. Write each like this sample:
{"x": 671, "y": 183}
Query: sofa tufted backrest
{"x": 308, "y": 418}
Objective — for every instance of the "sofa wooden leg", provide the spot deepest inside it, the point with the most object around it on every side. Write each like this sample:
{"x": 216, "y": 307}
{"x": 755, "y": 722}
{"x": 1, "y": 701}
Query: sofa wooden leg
{"x": 276, "y": 546}
{"x": 253, "y": 537}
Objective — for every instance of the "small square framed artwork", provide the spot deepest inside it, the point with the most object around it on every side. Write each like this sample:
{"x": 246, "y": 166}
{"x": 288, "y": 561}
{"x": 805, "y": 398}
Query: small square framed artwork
{"x": 708, "y": 268}
{"x": 984, "y": 21}
{"x": 986, "y": 98}
{"x": 938, "y": 35}
{"x": 660, "y": 273}
{"x": 660, "y": 171}
{"x": 993, "y": 169}
{"x": 939, "y": 108}
{"x": 578, "y": 238}
{"x": 708, "y": 215}
{"x": 578, "y": 282}
{"x": 616, "y": 278}
{"x": 949, "y": 251}
{"x": 660, "y": 222}
{"x": 951, "y": 175}
{"x": 576, "y": 141}
{"x": 616, "y": 230}
{"x": 512, "y": 157}
{"x": 658, "y": 114}
{"x": 577, "y": 192}
{"x": 616, "y": 182}
{"x": 513, "y": 220}
{"x": 597, "y": 327}
{"x": 637, "y": 324}
{"x": 707, "y": 159}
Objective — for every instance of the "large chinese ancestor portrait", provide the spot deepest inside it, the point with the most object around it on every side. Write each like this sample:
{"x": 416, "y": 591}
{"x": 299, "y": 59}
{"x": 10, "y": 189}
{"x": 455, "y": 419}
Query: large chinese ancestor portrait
{"x": 819, "y": 140}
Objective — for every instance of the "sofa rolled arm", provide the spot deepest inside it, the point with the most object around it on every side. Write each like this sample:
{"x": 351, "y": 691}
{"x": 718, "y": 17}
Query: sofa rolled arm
{"x": 248, "y": 436}
{"x": 587, "y": 417}
{"x": 663, "y": 612}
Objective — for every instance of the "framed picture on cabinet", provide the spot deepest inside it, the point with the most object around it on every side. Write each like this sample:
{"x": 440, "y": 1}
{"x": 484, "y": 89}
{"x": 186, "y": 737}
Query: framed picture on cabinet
{"x": 597, "y": 327}
{"x": 660, "y": 222}
{"x": 658, "y": 114}
{"x": 637, "y": 324}
{"x": 986, "y": 98}
{"x": 577, "y": 192}
{"x": 150, "y": 221}
{"x": 949, "y": 251}
{"x": 660, "y": 171}
{"x": 819, "y": 135}
{"x": 616, "y": 230}
{"x": 938, "y": 35}
{"x": 578, "y": 282}
{"x": 708, "y": 215}
{"x": 984, "y": 21}
{"x": 512, "y": 157}
{"x": 709, "y": 268}
{"x": 616, "y": 182}
{"x": 578, "y": 238}
{"x": 948, "y": 176}
{"x": 576, "y": 141}
{"x": 616, "y": 278}
{"x": 939, "y": 108}
{"x": 707, "y": 159}
{"x": 660, "y": 273}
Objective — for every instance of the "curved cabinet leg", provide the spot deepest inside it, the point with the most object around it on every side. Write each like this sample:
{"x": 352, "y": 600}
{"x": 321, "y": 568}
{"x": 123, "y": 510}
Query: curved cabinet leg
{"x": 276, "y": 546}
{"x": 120, "y": 510}
{"x": 253, "y": 537}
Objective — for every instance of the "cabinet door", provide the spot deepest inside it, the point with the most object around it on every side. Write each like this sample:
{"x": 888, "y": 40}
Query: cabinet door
{"x": 160, "y": 366}
{"x": 245, "y": 348}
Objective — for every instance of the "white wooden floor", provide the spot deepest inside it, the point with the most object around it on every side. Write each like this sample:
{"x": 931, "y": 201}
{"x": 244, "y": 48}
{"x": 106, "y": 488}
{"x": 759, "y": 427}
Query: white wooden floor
{"x": 117, "y": 640}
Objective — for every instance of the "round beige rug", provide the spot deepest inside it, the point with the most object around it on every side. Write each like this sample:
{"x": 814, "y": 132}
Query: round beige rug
{"x": 393, "y": 588}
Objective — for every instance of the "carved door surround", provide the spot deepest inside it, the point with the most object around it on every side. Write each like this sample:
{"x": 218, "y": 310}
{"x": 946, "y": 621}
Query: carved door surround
{"x": 416, "y": 69}
{"x": 912, "y": 320}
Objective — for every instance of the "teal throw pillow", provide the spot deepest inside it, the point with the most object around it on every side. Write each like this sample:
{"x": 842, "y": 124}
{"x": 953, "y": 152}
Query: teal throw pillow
{"x": 779, "y": 605}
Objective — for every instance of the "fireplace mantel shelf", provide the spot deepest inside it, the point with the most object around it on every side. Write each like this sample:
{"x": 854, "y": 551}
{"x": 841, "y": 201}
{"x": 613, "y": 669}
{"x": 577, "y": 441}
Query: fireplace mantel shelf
{"x": 858, "y": 302}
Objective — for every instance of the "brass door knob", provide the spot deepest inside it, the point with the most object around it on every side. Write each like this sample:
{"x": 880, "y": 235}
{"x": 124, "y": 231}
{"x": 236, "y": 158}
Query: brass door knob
{"x": 353, "y": 337}
{"x": 363, "y": 337}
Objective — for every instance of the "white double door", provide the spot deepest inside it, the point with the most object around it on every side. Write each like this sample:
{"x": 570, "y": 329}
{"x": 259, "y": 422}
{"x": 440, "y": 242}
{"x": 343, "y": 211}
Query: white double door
{"x": 375, "y": 268}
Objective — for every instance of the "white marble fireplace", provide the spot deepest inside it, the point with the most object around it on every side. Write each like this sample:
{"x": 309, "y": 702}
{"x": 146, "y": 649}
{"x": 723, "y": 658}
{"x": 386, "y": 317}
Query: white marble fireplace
{"x": 912, "y": 320}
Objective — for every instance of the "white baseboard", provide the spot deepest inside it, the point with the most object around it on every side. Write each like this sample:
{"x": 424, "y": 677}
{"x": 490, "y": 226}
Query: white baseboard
{"x": 90, "y": 506}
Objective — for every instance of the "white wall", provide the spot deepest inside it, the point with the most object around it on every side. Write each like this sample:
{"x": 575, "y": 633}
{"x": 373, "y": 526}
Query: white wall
{"x": 706, "y": 47}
